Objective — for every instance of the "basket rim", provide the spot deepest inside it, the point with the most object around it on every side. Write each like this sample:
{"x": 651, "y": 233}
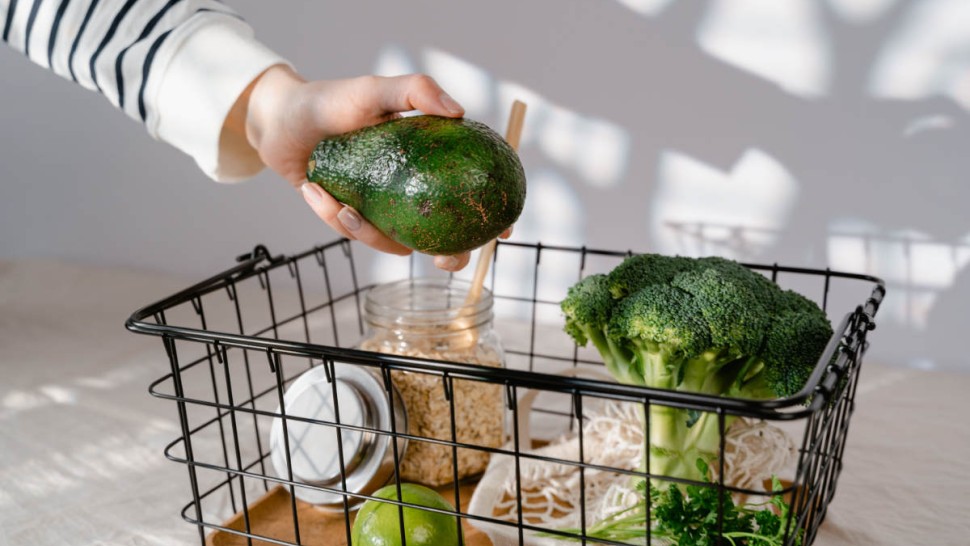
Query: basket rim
{"x": 812, "y": 397}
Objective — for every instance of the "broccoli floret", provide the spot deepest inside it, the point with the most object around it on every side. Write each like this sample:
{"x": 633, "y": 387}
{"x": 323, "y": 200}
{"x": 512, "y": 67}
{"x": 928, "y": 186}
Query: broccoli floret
{"x": 643, "y": 270}
{"x": 587, "y": 308}
{"x": 662, "y": 328}
{"x": 704, "y": 325}
{"x": 798, "y": 335}
{"x": 725, "y": 293}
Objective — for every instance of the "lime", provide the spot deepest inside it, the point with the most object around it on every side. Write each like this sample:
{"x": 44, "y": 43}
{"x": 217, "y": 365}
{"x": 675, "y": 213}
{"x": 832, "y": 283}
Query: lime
{"x": 378, "y": 523}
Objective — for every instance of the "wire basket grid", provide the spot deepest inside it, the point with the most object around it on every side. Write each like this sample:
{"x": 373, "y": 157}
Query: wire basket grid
{"x": 236, "y": 341}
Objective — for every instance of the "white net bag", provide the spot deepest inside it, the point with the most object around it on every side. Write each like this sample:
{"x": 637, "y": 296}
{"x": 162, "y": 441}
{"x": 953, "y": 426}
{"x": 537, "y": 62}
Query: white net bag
{"x": 613, "y": 438}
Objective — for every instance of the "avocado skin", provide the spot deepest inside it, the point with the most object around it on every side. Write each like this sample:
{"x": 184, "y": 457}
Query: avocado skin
{"x": 437, "y": 185}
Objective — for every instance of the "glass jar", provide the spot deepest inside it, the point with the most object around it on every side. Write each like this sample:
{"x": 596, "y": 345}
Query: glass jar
{"x": 430, "y": 318}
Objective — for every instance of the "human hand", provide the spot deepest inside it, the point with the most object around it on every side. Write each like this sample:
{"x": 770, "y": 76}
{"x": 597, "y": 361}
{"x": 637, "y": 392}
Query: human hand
{"x": 286, "y": 116}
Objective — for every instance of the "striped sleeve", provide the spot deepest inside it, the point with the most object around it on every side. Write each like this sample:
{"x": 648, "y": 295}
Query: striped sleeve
{"x": 177, "y": 66}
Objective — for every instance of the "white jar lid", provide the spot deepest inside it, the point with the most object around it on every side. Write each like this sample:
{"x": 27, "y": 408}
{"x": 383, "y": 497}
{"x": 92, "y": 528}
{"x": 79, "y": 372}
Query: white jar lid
{"x": 314, "y": 455}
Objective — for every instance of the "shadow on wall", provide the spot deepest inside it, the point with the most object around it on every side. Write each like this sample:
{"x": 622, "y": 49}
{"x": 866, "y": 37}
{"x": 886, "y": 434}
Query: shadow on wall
{"x": 826, "y": 133}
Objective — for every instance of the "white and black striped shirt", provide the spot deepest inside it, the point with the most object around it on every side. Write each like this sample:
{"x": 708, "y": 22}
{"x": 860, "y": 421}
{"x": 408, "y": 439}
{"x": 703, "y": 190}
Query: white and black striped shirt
{"x": 130, "y": 50}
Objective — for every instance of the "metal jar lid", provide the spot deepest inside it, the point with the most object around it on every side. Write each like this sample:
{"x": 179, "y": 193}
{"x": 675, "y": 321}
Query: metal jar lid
{"x": 368, "y": 457}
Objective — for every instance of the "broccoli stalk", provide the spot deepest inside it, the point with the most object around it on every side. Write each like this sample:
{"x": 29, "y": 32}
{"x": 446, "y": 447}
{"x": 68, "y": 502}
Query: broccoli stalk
{"x": 706, "y": 325}
{"x": 678, "y": 438}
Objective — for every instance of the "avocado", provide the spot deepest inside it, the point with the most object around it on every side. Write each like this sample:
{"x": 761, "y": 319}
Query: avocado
{"x": 438, "y": 185}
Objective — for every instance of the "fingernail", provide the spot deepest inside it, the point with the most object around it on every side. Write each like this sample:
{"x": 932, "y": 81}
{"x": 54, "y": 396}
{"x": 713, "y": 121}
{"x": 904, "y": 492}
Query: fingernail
{"x": 450, "y": 104}
{"x": 349, "y": 219}
{"x": 311, "y": 193}
{"x": 446, "y": 262}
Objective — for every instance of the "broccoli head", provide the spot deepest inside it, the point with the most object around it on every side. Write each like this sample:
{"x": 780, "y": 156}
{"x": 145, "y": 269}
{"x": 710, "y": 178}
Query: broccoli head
{"x": 704, "y": 325}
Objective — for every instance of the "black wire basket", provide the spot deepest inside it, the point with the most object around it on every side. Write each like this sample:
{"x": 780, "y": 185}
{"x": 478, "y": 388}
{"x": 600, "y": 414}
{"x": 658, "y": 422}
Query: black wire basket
{"x": 236, "y": 341}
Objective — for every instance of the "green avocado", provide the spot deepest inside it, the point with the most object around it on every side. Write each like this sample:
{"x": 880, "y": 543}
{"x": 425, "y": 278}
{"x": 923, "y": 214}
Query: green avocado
{"x": 438, "y": 185}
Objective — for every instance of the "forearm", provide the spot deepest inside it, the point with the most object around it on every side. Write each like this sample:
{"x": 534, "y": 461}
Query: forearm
{"x": 177, "y": 67}
{"x": 192, "y": 73}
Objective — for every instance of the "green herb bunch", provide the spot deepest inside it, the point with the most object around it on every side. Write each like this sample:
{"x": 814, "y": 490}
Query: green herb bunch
{"x": 688, "y": 516}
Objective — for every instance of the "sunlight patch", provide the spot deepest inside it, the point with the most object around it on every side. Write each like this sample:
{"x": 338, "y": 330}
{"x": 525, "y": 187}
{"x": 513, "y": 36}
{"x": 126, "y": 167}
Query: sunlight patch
{"x": 783, "y": 42}
{"x": 700, "y": 210}
{"x": 468, "y": 83}
{"x": 647, "y": 8}
{"x": 860, "y": 11}
{"x": 926, "y": 55}
{"x": 393, "y": 60}
{"x": 917, "y": 268}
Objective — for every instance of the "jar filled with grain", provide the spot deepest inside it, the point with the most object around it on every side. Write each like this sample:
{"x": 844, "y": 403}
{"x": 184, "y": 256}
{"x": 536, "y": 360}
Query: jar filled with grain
{"x": 430, "y": 318}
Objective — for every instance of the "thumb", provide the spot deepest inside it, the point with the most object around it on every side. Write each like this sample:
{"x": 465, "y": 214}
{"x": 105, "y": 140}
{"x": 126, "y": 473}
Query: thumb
{"x": 413, "y": 92}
